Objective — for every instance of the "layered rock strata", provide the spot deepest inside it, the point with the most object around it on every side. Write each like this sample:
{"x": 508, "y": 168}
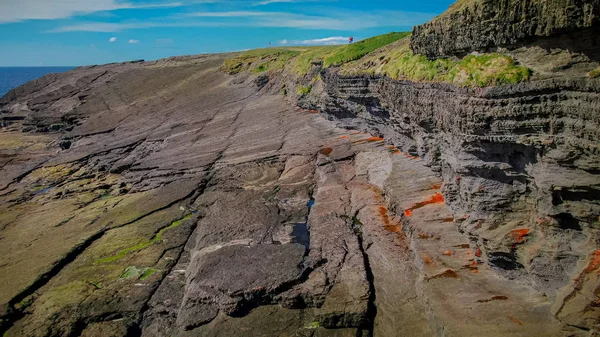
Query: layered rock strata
{"x": 484, "y": 25}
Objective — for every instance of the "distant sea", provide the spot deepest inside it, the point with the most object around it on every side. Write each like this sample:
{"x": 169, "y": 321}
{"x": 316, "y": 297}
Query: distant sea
{"x": 15, "y": 76}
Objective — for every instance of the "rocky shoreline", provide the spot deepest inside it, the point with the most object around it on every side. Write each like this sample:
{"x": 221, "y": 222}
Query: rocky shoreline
{"x": 171, "y": 198}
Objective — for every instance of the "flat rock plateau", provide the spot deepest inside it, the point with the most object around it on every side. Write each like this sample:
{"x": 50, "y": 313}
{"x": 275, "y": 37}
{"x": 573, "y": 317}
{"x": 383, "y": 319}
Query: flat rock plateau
{"x": 173, "y": 198}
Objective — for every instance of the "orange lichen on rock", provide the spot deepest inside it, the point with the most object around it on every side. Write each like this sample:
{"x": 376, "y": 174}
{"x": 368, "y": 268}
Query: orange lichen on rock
{"x": 472, "y": 267}
{"x": 516, "y": 321}
{"x": 393, "y": 228}
{"x": 437, "y": 198}
{"x": 383, "y": 212}
{"x": 436, "y": 186}
{"x": 326, "y": 151}
{"x": 518, "y": 235}
{"x": 594, "y": 263}
{"x": 579, "y": 281}
{"x": 344, "y": 137}
{"x": 368, "y": 140}
{"x": 425, "y": 236}
{"x": 448, "y": 253}
{"x": 448, "y": 220}
{"x": 393, "y": 150}
{"x": 409, "y": 156}
{"x": 388, "y": 225}
{"x": 449, "y": 273}
{"x": 427, "y": 260}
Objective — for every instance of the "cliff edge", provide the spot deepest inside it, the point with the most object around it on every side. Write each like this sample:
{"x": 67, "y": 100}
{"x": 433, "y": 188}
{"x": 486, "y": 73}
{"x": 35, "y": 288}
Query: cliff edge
{"x": 484, "y": 25}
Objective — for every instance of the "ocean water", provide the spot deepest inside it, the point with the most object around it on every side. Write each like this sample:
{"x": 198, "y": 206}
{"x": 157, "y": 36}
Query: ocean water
{"x": 15, "y": 76}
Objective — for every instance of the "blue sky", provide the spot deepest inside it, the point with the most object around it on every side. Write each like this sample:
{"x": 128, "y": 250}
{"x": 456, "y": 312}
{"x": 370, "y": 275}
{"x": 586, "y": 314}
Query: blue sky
{"x": 80, "y": 32}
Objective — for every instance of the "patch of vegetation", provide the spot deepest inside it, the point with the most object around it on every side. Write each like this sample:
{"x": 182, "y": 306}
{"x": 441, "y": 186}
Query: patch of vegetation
{"x": 313, "y": 325}
{"x": 302, "y": 63}
{"x": 301, "y": 59}
{"x": 304, "y": 90}
{"x": 357, "y": 50}
{"x": 130, "y": 272}
{"x": 595, "y": 73}
{"x": 398, "y": 62}
{"x": 97, "y": 285}
{"x": 134, "y": 272}
{"x": 141, "y": 246}
{"x": 264, "y": 59}
{"x": 147, "y": 273}
{"x": 388, "y": 55}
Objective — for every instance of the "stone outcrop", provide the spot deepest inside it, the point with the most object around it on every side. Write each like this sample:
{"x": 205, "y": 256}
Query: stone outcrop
{"x": 519, "y": 167}
{"x": 484, "y": 25}
{"x": 168, "y": 198}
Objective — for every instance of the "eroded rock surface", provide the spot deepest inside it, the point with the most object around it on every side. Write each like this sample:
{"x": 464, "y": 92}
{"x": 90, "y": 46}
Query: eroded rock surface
{"x": 183, "y": 204}
{"x": 484, "y": 25}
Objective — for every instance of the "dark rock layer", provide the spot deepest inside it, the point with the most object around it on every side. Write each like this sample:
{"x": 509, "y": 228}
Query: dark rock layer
{"x": 482, "y": 25}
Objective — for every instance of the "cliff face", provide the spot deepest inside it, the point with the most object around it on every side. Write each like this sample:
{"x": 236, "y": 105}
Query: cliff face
{"x": 519, "y": 164}
{"x": 482, "y": 25}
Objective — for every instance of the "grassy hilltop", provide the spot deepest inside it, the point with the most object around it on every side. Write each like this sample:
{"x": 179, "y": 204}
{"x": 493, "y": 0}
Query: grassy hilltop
{"x": 388, "y": 55}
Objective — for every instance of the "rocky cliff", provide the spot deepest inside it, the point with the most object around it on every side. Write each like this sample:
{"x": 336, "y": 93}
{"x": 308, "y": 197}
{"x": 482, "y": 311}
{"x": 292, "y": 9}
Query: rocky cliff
{"x": 484, "y": 25}
{"x": 173, "y": 198}
{"x": 519, "y": 166}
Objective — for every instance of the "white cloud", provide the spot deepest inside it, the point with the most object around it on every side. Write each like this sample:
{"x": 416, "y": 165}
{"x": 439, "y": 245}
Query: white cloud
{"x": 233, "y": 14}
{"x": 324, "y": 41}
{"x": 132, "y": 41}
{"x": 112, "y": 39}
{"x": 267, "y": 2}
{"x": 342, "y": 20}
{"x": 15, "y": 11}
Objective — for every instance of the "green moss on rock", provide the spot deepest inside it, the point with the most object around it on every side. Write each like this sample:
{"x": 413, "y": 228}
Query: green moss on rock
{"x": 147, "y": 273}
{"x": 145, "y": 244}
{"x": 304, "y": 90}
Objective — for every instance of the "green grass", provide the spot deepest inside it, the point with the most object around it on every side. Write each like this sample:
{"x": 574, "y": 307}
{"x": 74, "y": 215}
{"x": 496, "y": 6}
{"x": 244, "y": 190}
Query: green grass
{"x": 141, "y": 246}
{"x": 357, "y": 50}
{"x": 388, "y": 55}
{"x": 312, "y": 325}
{"x": 130, "y": 272}
{"x": 147, "y": 273}
{"x": 299, "y": 60}
{"x": 595, "y": 73}
{"x": 304, "y": 90}
{"x": 262, "y": 60}
{"x": 302, "y": 63}
{"x": 398, "y": 62}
